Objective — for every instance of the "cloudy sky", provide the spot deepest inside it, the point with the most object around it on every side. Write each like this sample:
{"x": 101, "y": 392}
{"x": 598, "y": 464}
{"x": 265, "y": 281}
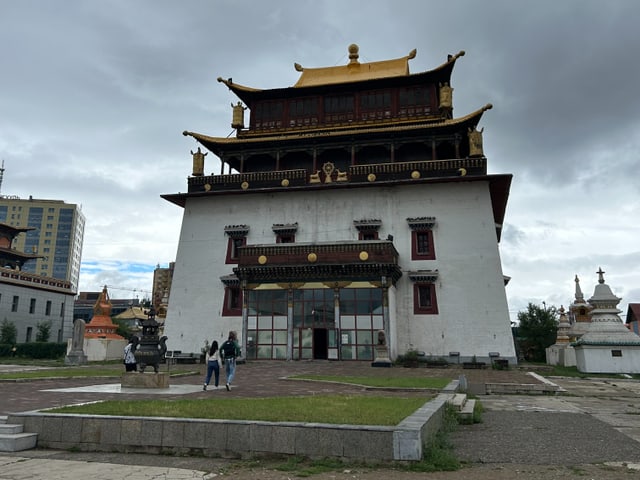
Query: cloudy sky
{"x": 94, "y": 96}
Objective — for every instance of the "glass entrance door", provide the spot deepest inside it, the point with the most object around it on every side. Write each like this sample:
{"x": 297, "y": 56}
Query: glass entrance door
{"x": 313, "y": 320}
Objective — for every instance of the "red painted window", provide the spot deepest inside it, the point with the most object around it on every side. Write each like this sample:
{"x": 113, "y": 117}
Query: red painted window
{"x": 232, "y": 248}
{"x": 285, "y": 238}
{"x": 422, "y": 247}
{"x": 424, "y": 299}
{"x": 232, "y": 306}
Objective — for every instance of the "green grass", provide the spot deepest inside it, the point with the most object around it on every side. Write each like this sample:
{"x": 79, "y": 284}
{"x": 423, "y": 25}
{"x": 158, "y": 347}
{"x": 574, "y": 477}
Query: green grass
{"x": 393, "y": 382}
{"x": 114, "y": 370}
{"x": 334, "y": 409}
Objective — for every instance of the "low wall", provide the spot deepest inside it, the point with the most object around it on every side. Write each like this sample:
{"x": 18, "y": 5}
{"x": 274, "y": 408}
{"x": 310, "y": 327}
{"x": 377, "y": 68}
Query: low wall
{"x": 236, "y": 439}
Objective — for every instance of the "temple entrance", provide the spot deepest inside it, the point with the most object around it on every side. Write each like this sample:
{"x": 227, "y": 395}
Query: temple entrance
{"x": 320, "y": 343}
{"x": 309, "y": 329}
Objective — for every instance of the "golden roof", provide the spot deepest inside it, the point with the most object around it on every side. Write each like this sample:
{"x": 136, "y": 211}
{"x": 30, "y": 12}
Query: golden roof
{"x": 354, "y": 71}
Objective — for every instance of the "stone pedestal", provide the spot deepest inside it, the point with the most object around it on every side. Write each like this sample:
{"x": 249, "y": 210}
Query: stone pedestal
{"x": 382, "y": 357}
{"x": 76, "y": 357}
{"x": 144, "y": 380}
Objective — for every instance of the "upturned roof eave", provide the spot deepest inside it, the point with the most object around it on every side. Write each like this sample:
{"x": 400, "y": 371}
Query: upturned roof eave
{"x": 218, "y": 145}
{"x": 250, "y": 94}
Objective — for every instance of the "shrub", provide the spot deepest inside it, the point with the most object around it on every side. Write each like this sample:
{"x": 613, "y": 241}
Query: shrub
{"x": 8, "y": 332}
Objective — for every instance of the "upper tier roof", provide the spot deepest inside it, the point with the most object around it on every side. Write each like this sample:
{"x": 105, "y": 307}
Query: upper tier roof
{"x": 354, "y": 71}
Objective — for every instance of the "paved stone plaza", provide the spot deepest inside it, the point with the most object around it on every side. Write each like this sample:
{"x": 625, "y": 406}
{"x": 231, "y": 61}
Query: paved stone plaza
{"x": 595, "y": 424}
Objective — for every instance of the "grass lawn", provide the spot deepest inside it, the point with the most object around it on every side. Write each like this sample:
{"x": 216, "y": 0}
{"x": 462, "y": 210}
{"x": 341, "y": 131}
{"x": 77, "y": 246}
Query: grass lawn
{"x": 98, "y": 370}
{"x": 334, "y": 409}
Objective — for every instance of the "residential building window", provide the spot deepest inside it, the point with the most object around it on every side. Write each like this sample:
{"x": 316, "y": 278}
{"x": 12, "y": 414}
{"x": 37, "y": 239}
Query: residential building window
{"x": 47, "y": 308}
{"x": 232, "y": 306}
{"x": 32, "y": 305}
{"x": 29, "y": 334}
{"x": 422, "y": 245}
{"x": 14, "y": 303}
{"x": 62, "y": 309}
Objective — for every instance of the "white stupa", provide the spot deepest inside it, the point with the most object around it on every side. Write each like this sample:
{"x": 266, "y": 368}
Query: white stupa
{"x": 607, "y": 346}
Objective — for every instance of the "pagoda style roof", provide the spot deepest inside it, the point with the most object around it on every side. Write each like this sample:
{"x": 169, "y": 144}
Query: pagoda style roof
{"x": 354, "y": 72}
{"x": 220, "y": 145}
{"x": 9, "y": 253}
{"x": 11, "y": 230}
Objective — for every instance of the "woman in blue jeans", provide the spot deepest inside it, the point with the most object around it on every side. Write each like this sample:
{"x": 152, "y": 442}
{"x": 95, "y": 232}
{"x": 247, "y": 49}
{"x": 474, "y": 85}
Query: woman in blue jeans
{"x": 213, "y": 365}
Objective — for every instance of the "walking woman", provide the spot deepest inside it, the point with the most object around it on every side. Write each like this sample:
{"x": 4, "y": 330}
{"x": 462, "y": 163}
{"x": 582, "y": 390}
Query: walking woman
{"x": 213, "y": 365}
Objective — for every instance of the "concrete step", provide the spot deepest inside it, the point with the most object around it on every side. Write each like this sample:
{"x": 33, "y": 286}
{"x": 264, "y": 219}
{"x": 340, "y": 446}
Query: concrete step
{"x": 466, "y": 413}
{"x": 458, "y": 401}
{"x": 8, "y": 428}
{"x": 16, "y": 442}
{"x": 13, "y": 439}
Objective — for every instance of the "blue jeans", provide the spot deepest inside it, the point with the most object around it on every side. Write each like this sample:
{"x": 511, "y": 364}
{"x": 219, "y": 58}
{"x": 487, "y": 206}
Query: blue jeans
{"x": 230, "y": 368}
{"x": 212, "y": 367}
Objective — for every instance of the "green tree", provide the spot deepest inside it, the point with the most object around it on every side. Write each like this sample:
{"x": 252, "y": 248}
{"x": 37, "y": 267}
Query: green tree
{"x": 44, "y": 331}
{"x": 8, "y": 332}
{"x": 536, "y": 331}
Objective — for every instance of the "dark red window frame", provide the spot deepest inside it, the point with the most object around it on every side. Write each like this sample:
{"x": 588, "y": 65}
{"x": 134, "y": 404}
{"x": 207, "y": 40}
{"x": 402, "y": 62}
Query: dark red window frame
{"x": 425, "y": 301}
{"x": 285, "y": 237}
{"x": 417, "y": 248}
{"x": 232, "y": 306}
{"x": 232, "y": 248}
{"x": 368, "y": 235}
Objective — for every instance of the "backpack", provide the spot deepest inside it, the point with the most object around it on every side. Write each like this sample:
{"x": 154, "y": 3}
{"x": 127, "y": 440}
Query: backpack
{"x": 228, "y": 349}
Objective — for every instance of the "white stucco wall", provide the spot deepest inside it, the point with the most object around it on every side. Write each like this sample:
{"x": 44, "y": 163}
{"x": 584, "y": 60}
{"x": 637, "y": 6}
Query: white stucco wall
{"x": 473, "y": 315}
{"x": 599, "y": 359}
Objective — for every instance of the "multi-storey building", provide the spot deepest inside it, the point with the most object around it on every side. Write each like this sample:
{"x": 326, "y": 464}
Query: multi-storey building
{"x": 162, "y": 278}
{"x": 26, "y": 299}
{"x": 353, "y": 204}
{"x": 56, "y": 235}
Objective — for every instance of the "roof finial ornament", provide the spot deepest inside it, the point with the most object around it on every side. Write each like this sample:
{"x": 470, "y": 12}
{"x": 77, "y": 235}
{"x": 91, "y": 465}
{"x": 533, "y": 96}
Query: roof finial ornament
{"x": 579, "y": 295}
{"x": 600, "y": 275}
{"x": 353, "y": 53}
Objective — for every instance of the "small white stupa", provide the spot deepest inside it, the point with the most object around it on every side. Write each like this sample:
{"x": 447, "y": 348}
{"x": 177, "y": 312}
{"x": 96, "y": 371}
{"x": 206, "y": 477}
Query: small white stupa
{"x": 579, "y": 317}
{"x": 607, "y": 346}
{"x": 561, "y": 352}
